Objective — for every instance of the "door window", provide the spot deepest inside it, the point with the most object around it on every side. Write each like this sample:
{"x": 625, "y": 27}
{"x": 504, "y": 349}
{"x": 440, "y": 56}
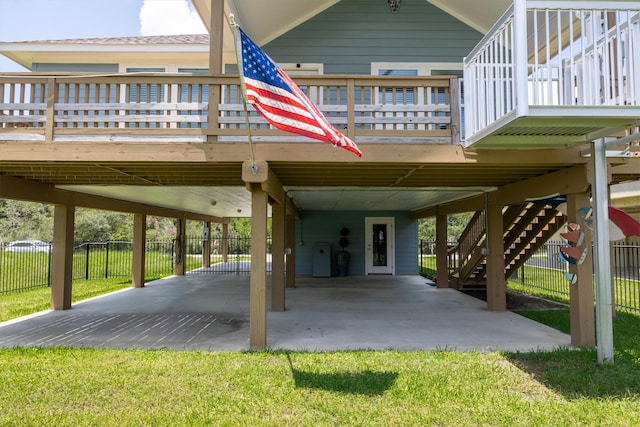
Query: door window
{"x": 379, "y": 245}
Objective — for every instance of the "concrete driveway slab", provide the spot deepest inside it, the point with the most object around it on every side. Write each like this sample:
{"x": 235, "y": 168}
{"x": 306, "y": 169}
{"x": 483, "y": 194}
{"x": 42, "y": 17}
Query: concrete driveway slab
{"x": 211, "y": 312}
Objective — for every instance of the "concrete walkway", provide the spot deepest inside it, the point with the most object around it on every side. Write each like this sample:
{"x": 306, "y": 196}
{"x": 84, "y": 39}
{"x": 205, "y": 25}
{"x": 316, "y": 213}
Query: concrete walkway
{"x": 211, "y": 312}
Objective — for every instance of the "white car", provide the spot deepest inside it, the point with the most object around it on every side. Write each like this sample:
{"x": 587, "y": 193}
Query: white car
{"x": 28, "y": 246}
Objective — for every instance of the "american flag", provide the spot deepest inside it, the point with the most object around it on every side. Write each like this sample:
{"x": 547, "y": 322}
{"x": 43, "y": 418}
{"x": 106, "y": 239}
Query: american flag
{"x": 281, "y": 102}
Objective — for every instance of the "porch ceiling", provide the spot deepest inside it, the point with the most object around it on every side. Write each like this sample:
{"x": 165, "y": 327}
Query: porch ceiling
{"x": 217, "y": 188}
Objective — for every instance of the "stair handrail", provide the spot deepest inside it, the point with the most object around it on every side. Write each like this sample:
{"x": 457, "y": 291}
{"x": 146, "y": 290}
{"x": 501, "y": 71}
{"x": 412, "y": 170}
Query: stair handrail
{"x": 471, "y": 236}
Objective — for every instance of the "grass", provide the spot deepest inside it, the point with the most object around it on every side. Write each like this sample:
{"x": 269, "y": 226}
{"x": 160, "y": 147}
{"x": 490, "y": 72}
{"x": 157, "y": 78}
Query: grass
{"x": 83, "y": 387}
{"x": 66, "y": 386}
{"x": 552, "y": 285}
{"x": 18, "y": 304}
{"x": 86, "y": 387}
{"x": 539, "y": 292}
{"x": 576, "y": 375}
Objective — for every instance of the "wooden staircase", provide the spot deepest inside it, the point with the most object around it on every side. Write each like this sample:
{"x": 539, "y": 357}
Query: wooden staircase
{"x": 526, "y": 227}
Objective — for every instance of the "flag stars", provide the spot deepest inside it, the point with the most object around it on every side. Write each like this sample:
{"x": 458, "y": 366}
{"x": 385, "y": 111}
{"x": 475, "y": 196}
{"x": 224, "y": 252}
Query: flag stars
{"x": 257, "y": 65}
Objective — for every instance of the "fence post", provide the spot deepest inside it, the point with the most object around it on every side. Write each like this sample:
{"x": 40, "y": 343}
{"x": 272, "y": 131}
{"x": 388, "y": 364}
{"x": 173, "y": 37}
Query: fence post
{"x": 106, "y": 262}
{"x": 421, "y": 256}
{"x": 237, "y": 239}
{"x": 86, "y": 263}
{"x": 49, "y": 255}
{"x": 225, "y": 242}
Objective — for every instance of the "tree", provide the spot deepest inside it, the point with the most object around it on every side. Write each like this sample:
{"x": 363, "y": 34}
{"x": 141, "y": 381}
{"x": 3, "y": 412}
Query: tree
{"x": 25, "y": 220}
{"x": 427, "y": 229}
{"x": 240, "y": 227}
{"x": 99, "y": 226}
{"x": 456, "y": 224}
{"x": 160, "y": 228}
{"x": 28, "y": 220}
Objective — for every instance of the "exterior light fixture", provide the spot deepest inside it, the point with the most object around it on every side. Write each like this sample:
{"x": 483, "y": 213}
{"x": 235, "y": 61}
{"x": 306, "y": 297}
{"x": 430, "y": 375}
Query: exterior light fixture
{"x": 394, "y": 5}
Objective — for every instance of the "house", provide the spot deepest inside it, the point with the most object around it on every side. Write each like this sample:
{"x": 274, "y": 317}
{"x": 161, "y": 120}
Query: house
{"x": 155, "y": 125}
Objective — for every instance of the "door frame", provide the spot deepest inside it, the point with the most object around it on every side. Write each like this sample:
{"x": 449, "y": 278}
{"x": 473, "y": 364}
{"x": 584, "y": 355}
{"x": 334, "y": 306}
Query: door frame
{"x": 391, "y": 256}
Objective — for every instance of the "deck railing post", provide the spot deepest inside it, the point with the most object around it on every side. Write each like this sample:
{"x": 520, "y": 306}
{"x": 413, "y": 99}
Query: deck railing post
{"x": 454, "y": 102}
{"x": 52, "y": 94}
{"x": 351, "y": 112}
{"x": 213, "y": 113}
{"x": 520, "y": 55}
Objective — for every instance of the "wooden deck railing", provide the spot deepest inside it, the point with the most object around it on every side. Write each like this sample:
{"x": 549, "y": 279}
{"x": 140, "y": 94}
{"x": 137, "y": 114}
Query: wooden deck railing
{"x": 154, "y": 107}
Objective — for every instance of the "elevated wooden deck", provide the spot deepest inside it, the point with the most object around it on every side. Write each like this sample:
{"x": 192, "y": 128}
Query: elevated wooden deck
{"x": 196, "y": 108}
{"x": 553, "y": 74}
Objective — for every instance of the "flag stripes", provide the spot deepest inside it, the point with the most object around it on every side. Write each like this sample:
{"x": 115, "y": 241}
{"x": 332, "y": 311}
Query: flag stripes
{"x": 281, "y": 102}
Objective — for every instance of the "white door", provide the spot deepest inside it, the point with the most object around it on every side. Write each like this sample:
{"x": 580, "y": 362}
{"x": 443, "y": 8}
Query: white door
{"x": 380, "y": 245}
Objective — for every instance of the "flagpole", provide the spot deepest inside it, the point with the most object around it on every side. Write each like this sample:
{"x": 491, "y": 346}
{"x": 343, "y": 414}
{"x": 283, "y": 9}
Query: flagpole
{"x": 243, "y": 88}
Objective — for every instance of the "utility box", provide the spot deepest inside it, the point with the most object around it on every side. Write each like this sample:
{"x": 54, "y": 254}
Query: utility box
{"x": 321, "y": 260}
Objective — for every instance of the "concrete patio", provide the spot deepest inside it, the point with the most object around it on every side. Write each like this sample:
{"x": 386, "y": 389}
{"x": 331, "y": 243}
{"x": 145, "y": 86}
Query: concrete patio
{"x": 211, "y": 312}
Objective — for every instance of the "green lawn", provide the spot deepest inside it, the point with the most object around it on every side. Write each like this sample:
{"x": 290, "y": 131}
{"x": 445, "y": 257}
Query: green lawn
{"x": 109, "y": 387}
{"x": 89, "y": 387}
{"x": 16, "y": 304}
{"x": 83, "y": 387}
{"x": 31, "y": 269}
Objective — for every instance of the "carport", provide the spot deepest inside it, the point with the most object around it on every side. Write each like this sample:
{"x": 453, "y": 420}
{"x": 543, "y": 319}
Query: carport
{"x": 323, "y": 314}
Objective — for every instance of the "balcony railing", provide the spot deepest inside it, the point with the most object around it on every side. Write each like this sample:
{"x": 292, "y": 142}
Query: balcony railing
{"x": 578, "y": 57}
{"x": 187, "y": 108}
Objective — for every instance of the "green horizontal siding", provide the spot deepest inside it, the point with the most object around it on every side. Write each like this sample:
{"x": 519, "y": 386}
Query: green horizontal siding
{"x": 350, "y": 35}
{"x": 324, "y": 227}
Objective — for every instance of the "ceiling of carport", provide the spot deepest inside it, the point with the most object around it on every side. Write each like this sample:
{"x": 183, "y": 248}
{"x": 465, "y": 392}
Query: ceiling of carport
{"x": 217, "y": 189}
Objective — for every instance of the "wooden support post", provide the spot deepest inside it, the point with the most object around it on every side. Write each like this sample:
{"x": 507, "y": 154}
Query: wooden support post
{"x": 206, "y": 245}
{"x": 216, "y": 33}
{"x": 216, "y": 64}
{"x": 180, "y": 249}
{"x": 139, "y": 244}
{"x": 225, "y": 242}
{"x": 290, "y": 257}
{"x": 581, "y": 293}
{"x": 263, "y": 184}
{"x": 496, "y": 282}
{"x": 442, "y": 252}
{"x": 277, "y": 257}
{"x": 258, "y": 282}
{"x": 62, "y": 258}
